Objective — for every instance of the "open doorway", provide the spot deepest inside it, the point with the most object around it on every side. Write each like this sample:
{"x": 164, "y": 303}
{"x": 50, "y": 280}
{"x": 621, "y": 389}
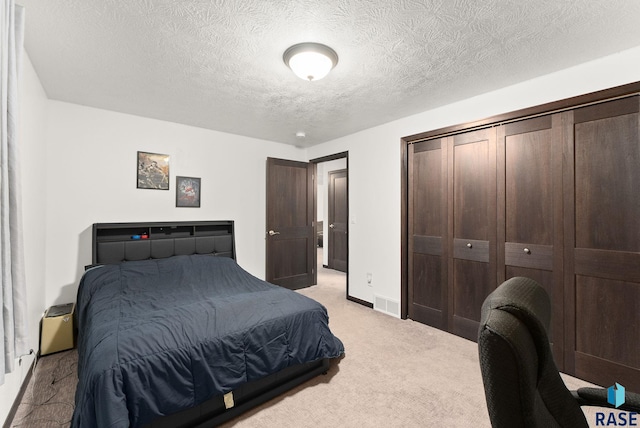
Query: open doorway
{"x": 332, "y": 207}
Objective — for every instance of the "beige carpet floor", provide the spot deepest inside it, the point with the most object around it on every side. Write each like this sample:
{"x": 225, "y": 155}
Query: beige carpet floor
{"x": 49, "y": 397}
{"x": 395, "y": 373}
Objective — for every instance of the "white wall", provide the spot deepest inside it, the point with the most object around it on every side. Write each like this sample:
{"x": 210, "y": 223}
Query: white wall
{"x": 91, "y": 178}
{"x": 374, "y": 162}
{"x": 31, "y": 133}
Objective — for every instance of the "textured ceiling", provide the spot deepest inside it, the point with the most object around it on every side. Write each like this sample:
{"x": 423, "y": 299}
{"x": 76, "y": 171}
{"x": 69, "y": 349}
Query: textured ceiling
{"x": 217, "y": 64}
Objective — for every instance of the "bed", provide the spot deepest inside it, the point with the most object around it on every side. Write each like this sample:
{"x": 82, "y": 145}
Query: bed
{"x": 173, "y": 332}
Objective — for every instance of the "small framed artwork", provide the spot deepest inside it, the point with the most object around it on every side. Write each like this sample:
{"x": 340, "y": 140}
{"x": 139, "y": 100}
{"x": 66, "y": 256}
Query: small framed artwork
{"x": 188, "y": 192}
{"x": 153, "y": 171}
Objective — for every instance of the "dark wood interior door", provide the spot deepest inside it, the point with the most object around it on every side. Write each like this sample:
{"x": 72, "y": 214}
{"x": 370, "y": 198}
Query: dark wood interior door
{"x": 427, "y": 264}
{"x": 530, "y": 211}
{"x": 602, "y": 253}
{"x": 472, "y": 195}
{"x": 290, "y": 237}
{"x": 338, "y": 218}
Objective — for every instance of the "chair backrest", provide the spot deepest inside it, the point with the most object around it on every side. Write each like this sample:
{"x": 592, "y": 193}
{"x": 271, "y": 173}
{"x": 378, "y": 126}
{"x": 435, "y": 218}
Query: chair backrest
{"x": 523, "y": 387}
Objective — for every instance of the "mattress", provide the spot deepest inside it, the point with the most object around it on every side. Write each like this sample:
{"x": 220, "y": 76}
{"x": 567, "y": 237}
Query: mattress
{"x": 159, "y": 336}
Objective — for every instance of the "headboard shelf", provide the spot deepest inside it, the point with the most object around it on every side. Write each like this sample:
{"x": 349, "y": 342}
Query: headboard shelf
{"x": 118, "y": 242}
{"x": 170, "y": 232}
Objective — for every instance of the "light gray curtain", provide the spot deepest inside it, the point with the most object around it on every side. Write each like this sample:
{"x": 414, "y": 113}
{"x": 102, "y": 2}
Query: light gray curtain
{"x": 13, "y": 325}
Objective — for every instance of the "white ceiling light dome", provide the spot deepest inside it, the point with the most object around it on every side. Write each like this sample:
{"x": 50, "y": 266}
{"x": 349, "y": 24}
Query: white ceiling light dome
{"x": 310, "y": 61}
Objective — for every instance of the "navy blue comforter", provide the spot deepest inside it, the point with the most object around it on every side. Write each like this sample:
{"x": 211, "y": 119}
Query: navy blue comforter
{"x": 159, "y": 336}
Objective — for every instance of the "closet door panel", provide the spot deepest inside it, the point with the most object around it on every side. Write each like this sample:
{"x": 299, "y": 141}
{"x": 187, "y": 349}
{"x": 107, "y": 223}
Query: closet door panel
{"x": 473, "y": 169}
{"x": 472, "y": 284}
{"x": 607, "y": 264}
{"x": 427, "y": 233}
{"x": 473, "y": 200}
{"x": 529, "y": 182}
{"x": 599, "y": 334}
{"x": 426, "y": 305}
{"x": 606, "y": 345}
{"x": 605, "y": 278}
{"x": 427, "y": 188}
{"x": 607, "y": 163}
{"x": 529, "y": 255}
{"x": 530, "y": 210}
{"x": 471, "y": 249}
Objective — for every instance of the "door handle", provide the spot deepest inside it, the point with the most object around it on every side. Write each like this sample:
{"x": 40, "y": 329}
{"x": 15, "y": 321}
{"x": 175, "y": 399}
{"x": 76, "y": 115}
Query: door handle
{"x": 332, "y": 226}
{"x": 271, "y": 233}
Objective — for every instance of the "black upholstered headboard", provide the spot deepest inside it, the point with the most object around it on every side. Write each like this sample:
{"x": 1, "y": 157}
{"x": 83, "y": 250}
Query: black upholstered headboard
{"x": 118, "y": 242}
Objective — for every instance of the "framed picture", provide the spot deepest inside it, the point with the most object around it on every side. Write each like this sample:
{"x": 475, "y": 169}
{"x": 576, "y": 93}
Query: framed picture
{"x": 188, "y": 192}
{"x": 153, "y": 171}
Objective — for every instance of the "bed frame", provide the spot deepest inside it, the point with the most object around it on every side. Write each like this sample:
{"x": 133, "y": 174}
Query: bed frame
{"x": 118, "y": 242}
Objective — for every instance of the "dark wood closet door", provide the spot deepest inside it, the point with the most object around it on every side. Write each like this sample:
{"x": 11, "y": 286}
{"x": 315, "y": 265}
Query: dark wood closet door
{"x": 428, "y": 233}
{"x": 603, "y": 253}
{"x": 530, "y": 210}
{"x": 472, "y": 195}
{"x": 290, "y": 237}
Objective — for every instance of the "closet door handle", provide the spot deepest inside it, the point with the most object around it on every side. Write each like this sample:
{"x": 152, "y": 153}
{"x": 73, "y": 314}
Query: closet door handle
{"x": 527, "y": 251}
{"x": 469, "y": 245}
{"x": 271, "y": 233}
{"x": 332, "y": 225}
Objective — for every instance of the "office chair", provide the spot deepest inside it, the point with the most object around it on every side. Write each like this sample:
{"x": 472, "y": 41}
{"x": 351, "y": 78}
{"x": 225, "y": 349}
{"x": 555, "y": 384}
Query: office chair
{"x": 523, "y": 387}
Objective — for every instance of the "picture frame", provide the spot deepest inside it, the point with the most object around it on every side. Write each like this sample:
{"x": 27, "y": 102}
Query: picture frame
{"x": 188, "y": 192}
{"x": 153, "y": 171}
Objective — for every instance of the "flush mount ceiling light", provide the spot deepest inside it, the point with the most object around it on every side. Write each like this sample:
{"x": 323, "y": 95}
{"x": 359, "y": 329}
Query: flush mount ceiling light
{"x": 310, "y": 61}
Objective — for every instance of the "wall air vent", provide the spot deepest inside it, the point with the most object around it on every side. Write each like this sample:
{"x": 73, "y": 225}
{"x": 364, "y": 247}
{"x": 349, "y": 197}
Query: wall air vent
{"x": 387, "y": 306}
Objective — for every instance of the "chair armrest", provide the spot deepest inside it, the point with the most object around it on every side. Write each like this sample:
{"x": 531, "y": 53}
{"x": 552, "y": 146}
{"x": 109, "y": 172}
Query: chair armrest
{"x": 598, "y": 397}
